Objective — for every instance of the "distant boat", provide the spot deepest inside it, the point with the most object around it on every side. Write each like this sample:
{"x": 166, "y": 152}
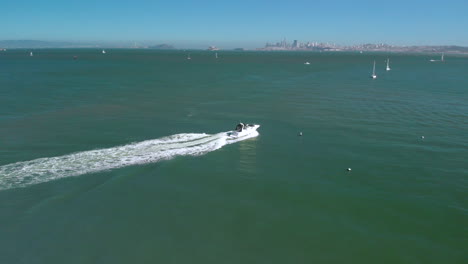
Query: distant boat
{"x": 388, "y": 65}
{"x": 306, "y": 63}
{"x": 373, "y": 76}
{"x": 441, "y": 58}
{"x": 188, "y": 57}
{"x": 103, "y": 52}
{"x": 31, "y": 54}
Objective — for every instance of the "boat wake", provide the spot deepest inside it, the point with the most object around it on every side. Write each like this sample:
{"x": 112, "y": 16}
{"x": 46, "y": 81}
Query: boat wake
{"x": 25, "y": 173}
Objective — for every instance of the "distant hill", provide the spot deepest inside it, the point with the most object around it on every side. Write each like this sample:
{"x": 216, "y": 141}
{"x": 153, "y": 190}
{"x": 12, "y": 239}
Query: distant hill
{"x": 161, "y": 46}
{"x": 37, "y": 44}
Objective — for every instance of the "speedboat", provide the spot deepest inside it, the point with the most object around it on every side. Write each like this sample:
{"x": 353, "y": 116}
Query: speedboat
{"x": 242, "y": 130}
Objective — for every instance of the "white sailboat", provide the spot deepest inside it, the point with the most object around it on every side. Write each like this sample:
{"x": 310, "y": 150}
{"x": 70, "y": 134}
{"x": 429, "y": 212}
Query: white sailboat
{"x": 373, "y": 76}
{"x": 31, "y": 54}
{"x": 103, "y": 52}
{"x": 188, "y": 57}
{"x": 441, "y": 58}
{"x": 307, "y": 63}
{"x": 388, "y": 65}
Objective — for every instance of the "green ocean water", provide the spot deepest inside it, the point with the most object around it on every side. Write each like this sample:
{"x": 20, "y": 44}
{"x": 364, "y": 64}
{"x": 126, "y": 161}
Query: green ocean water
{"x": 98, "y": 162}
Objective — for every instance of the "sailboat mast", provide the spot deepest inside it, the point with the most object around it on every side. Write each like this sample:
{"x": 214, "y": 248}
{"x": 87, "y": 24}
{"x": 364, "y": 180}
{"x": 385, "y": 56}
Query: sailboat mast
{"x": 373, "y": 70}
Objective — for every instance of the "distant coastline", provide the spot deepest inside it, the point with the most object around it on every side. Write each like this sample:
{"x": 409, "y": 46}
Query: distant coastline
{"x": 376, "y": 48}
{"x": 279, "y": 46}
{"x": 369, "y": 47}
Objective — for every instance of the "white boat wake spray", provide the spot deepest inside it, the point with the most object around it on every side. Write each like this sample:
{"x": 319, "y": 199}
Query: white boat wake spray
{"x": 24, "y": 173}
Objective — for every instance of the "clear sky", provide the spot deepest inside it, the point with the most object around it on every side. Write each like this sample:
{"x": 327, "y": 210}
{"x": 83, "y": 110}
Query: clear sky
{"x": 237, "y": 23}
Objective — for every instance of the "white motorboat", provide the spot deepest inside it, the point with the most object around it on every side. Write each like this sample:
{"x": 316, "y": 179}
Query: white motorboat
{"x": 242, "y": 130}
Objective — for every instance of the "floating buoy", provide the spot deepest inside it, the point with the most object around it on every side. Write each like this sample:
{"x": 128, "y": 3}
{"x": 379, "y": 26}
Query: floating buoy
{"x": 348, "y": 169}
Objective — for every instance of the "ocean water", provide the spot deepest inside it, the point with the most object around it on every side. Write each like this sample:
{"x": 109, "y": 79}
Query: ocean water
{"x": 122, "y": 157}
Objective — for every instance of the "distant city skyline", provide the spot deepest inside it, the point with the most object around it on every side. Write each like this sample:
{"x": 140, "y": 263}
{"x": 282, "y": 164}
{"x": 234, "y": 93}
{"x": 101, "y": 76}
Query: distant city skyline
{"x": 249, "y": 24}
{"x": 282, "y": 45}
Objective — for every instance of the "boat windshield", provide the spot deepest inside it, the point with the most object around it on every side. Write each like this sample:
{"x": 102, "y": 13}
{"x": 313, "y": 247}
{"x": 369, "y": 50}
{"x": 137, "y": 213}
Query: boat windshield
{"x": 239, "y": 127}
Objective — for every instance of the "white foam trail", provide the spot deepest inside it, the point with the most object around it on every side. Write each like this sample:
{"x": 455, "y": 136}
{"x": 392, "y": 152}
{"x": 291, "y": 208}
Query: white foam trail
{"x": 26, "y": 173}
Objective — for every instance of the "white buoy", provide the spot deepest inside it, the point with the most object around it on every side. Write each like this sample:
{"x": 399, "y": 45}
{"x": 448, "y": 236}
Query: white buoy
{"x": 348, "y": 169}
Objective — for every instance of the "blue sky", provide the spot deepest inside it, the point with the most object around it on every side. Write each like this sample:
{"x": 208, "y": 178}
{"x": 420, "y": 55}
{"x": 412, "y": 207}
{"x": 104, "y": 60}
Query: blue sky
{"x": 237, "y": 23}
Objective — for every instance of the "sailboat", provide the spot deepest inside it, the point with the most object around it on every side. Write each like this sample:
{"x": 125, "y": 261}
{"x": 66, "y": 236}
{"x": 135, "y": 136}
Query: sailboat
{"x": 188, "y": 57}
{"x": 388, "y": 65}
{"x": 31, "y": 54}
{"x": 373, "y": 76}
{"x": 103, "y": 52}
{"x": 441, "y": 58}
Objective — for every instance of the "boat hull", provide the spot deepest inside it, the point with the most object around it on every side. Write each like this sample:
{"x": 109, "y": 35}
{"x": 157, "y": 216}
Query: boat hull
{"x": 244, "y": 133}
